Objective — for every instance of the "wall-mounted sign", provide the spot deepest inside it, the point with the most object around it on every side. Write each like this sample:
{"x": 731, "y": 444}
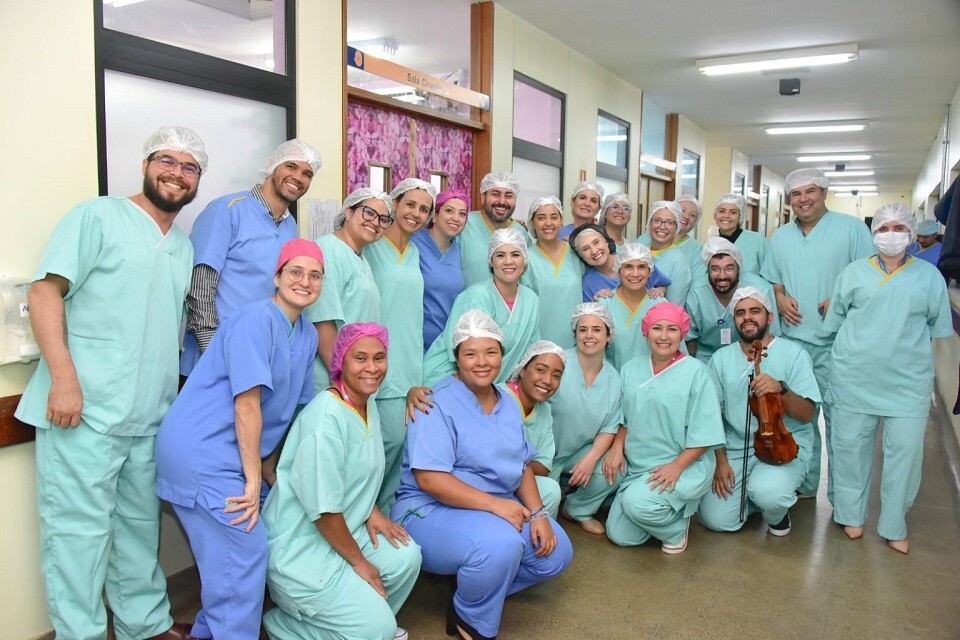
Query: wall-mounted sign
{"x": 416, "y": 79}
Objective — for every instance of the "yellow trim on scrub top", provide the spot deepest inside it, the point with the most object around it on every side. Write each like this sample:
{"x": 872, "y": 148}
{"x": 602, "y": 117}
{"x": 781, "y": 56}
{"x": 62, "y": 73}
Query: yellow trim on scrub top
{"x": 526, "y": 416}
{"x": 887, "y": 276}
{"x": 366, "y": 424}
{"x": 556, "y": 265}
{"x": 400, "y": 254}
{"x": 633, "y": 313}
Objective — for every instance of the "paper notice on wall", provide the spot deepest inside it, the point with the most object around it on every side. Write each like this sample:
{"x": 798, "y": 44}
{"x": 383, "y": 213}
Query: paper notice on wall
{"x": 320, "y": 217}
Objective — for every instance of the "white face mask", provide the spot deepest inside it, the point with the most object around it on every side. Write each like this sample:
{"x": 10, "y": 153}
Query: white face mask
{"x": 891, "y": 243}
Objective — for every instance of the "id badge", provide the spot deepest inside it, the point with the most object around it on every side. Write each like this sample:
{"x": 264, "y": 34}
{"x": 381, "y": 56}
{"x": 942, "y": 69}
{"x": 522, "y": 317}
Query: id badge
{"x": 726, "y": 335}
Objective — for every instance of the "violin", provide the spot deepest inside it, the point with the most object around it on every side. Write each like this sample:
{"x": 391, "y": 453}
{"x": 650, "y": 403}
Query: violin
{"x": 772, "y": 441}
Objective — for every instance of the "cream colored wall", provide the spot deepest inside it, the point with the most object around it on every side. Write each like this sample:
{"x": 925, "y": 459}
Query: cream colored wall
{"x": 863, "y": 206}
{"x": 520, "y": 46}
{"x": 931, "y": 174}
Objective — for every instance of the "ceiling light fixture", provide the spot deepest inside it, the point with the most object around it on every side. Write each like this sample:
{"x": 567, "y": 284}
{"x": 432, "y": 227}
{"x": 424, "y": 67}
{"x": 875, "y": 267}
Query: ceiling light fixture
{"x": 849, "y": 194}
{"x": 847, "y": 186}
{"x": 848, "y": 174}
{"x": 836, "y": 157}
{"x": 776, "y": 60}
{"x": 815, "y": 127}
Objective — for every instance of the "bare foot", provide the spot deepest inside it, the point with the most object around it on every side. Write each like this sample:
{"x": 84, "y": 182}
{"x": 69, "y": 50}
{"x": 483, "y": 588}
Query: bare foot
{"x": 903, "y": 546}
{"x": 853, "y": 532}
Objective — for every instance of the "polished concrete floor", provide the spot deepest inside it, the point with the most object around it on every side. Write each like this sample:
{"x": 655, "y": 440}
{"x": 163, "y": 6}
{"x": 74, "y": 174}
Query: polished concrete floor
{"x": 813, "y": 584}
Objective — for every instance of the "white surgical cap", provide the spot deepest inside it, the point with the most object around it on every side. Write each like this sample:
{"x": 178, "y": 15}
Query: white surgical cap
{"x": 669, "y": 205}
{"x": 538, "y": 348}
{"x": 803, "y": 177}
{"x": 632, "y": 251}
{"x": 609, "y": 200}
{"x": 500, "y": 180}
{"x": 928, "y": 228}
{"x": 689, "y": 198}
{"x": 409, "y": 184}
{"x": 749, "y": 292}
{"x": 593, "y": 309}
{"x": 358, "y": 196}
{"x": 539, "y": 202}
{"x": 716, "y": 245}
{"x": 732, "y": 198}
{"x": 179, "y": 139}
{"x": 587, "y": 186}
{"x": 476, "y": 324}
{"x": 296, "y": 150}
{"x": 509, "y": 236}
{"x": 893, "y": 212}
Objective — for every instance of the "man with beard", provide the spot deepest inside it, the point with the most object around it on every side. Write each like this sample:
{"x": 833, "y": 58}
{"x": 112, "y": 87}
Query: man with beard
{"x": 708, "y": 303}
{"x": 584, "y": 205}
{"x": 786, "y": 370}
{"x": 498, "y": 199}
{"x": 236, "y": 242}
{"x": 105, "y": 306}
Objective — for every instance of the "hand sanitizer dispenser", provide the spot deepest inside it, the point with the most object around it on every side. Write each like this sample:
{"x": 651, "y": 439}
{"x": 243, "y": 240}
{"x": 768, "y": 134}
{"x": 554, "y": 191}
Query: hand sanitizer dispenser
{"x": 16, "y": 337}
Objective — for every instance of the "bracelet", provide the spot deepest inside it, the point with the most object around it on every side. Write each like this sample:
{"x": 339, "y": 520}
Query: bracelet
{"x": 539, "y": 514}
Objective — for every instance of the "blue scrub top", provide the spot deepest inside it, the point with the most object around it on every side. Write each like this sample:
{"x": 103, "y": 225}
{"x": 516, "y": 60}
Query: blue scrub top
{"x": 594, "y": 281}
{"x": 442, "y": 283}
{"x": 931, "y": 254}
{"x": 197, "y": 452}
{"x": 236, "y": 236}
{"x": 487, "y": 452}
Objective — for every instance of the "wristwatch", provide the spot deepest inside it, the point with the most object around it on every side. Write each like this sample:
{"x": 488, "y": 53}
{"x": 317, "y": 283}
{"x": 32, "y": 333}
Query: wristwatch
{"x": 784, "y": 388}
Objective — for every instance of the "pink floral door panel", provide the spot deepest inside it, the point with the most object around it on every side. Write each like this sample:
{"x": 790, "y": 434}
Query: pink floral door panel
{"x": 407, "y": 145}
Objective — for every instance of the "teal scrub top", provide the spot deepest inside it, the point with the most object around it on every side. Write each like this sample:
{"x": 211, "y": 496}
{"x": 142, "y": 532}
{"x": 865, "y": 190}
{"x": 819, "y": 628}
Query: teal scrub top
{"x": 691, "y": 248}
{"x": 538, "y": 430}
{"x": 808, "y": 265}
{"x": 561, "y": 284}
{"x": 123, "y": 310}
{"x": 349, "y": 294}
{"x": 674, "y": 265}
{"x": 332, "y": 462}
{"x": 521, "y": 328}
{"x": 753, "y": 248}
{"x": 474, "y": 243}
{"x": 629, "y": 342}
{"x": 581, "y": 412}
{"x": 785, "y": 361}
{"x": 666, "y": 413}
{"x": 708, "y": 318}
{"x": 400, "y": 282}
{"x": 882, "y": 358}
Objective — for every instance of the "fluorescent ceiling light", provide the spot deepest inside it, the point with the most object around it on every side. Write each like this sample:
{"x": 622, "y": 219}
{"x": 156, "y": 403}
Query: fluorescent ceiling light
{"x": 776, "y": 60}
{"x": 611, "y": 138}
{"x": 121, "y": 3}
{"x": 855, "y": 173}
{"x": 821, "y": 127}
{"x": 836, "y": 157}
{"x": 847, "y": 186}
{"x": 658, "y": 162}
{"x": 848, "y": 194}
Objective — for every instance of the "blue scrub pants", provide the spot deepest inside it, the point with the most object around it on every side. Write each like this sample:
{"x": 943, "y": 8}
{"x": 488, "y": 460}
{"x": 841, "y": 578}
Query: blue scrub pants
{"x": 491, "y": 559}
{"x": 821, "y": 371}
{"x": 393, "y": 429}
{"x": 771, "y": 490}
{"x": 550, "y": 494}
{"x": 584, "y": 503}
{"x": 357, "y": 612}
{"x": 854, "y": 436}
{"x": 100, "y": 529}
{"x": 233, "y": 571}
{"x": 639, "y": 512}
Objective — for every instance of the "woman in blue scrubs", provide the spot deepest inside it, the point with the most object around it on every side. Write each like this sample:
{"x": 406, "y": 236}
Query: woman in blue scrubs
{"x": 599, "y": 253}
{"x": 440, "y": 261}
{"x": 468, "y": 494}
{"x": 232, "y": 413}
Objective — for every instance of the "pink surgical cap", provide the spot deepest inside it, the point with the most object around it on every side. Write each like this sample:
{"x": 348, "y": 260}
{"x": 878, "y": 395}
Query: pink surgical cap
{"x": 666, "y": 311}
{"x": 450, "y": 194}
{"x": 348, "y": 335}
{"x": 299, "y": 247}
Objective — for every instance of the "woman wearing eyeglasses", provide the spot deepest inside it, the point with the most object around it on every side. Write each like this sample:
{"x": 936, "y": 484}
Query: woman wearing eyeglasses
{"x": 232, "y": 413}
{"x": 753, "y": 246}
{"x": 395, "y": 262}
{"x": 615, "y": 216}
{"x": 663, "y": 228}
{"x": 350, "y": 293}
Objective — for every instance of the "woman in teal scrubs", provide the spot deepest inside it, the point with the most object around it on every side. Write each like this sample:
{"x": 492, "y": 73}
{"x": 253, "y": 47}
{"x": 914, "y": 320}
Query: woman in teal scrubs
{"x": 753, "y": 247}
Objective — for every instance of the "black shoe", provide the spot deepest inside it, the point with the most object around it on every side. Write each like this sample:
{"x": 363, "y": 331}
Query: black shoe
{"x": 780, "y": 529}
{"x": 454, "y": 621}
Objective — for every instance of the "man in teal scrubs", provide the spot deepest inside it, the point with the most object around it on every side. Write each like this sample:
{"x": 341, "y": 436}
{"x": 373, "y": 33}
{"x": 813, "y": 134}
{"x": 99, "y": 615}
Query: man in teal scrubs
{"x": 498, "y": 200}
{"x": 106, "y": 305}
{"x": 806, "y": 256}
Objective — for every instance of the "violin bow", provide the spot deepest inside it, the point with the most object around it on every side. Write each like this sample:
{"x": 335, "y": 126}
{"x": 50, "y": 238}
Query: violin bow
{"x": 746, "y": 452}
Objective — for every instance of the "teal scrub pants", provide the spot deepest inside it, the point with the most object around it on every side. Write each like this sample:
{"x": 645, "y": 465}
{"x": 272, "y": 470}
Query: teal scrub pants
{"x": 854, "y": 436}
{"x": 639, "y": 512}
{"x": 394, "y": 431}
{"x": 771, "y": 490}
{"x": 100, "y": 530}
{"x": 550, "y": 494}
{"x": 584, "y": 503}
{"x": 821, "y": 370}
{"x": 357, "y": 612}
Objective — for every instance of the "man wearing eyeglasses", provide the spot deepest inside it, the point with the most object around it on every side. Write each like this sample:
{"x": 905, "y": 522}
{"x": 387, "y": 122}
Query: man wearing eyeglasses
{"x": 106, "y": 305}
{"x": 236, "y": 241}
{"x": 708, "y": 303}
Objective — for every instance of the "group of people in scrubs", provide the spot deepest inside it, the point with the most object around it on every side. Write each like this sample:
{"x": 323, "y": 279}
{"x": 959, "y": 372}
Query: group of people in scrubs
{"x": 430, "y": 387}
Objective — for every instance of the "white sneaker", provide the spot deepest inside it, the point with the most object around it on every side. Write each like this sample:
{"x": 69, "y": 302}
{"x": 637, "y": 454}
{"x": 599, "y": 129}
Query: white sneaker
{"x": 401, "y": 634}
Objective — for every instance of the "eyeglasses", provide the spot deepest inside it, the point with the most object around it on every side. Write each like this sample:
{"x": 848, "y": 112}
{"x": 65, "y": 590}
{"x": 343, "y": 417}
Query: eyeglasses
{"x": 370, "y": 214}
{"x": 728, "y": 270}
{"x": 296, "y": 275}
{"x": 621, "y": 207}
{"x": 189, "y": 168}
{"x": 657, "y": 222}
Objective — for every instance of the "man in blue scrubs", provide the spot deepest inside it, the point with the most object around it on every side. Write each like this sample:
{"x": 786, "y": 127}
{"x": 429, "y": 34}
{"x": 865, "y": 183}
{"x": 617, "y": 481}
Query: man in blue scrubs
{"x": 927, "y": 247}
{"x": 106, "y": 304}
{"x": 236, "y": 241}
{"x": 806, "y": 256}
